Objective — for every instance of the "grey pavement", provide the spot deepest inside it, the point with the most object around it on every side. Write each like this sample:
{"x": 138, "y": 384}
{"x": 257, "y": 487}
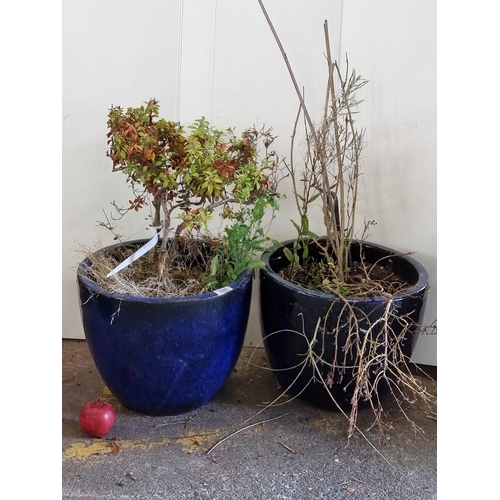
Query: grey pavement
{"x": 227, "y": 450}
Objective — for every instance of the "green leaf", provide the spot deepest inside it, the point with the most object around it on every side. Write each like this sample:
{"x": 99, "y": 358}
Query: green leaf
{"x": 258, "y": 209}
{"x": 256, "y": 264}
{"x": 295, "y": 225}
{"x": 305, "y": 224}
{"x": 214, "y": 265}
{"x": 288, "y": 254}
{"x": 311, "y": 234}
{"x": 209, "y": 280}
{"x": 313, "y": 198}
{"x": 305, "y": 251}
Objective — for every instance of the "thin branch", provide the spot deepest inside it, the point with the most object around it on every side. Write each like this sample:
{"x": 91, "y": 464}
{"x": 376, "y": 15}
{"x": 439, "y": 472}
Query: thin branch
{"x": 241, "y": 430}
{"x": 283, "y": 53}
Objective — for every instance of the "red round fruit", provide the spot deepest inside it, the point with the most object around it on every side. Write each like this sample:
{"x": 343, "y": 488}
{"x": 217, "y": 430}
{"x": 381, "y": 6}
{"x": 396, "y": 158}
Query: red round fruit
{"x": 97, "y": 418}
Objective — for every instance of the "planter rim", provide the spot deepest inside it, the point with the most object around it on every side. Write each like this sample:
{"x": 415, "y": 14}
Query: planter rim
{"x": 421, "y": 284}
{"x": 95, "y": 288}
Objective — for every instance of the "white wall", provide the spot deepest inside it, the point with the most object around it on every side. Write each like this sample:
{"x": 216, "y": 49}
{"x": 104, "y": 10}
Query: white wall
{"x": 218, "y": 58}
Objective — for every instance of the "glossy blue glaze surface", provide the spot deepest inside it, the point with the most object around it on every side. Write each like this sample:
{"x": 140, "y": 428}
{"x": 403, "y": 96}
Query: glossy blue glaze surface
{"x": 164, "y": 356}
{"x": 289, "y": 316}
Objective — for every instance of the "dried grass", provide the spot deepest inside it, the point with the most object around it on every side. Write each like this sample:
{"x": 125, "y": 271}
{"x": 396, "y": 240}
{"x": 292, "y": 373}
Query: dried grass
{"x": 143, "y": 278}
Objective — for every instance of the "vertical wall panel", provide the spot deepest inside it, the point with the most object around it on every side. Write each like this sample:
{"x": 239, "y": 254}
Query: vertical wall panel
{"x": 116, "y": 52}
{"x": 196, "y": 70}
{"x": 218, "y": 58}
{"x": 392, "y": 43}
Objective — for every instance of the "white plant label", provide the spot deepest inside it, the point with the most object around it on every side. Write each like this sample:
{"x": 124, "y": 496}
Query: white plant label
{"x": 223, "y": 290}
{"x": 139, "y": 253}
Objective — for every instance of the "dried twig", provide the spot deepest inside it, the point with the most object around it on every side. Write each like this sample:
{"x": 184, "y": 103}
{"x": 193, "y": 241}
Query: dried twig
{"x": 243, "y": 429}
{"x": 185, "y": 422}
{"x": 350, "y": 479}
{"x": 295, "y": 452}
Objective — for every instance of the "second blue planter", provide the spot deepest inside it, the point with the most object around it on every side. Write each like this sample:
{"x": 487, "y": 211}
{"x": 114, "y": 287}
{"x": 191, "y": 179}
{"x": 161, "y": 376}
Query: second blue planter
{"x": 339, "y": 333}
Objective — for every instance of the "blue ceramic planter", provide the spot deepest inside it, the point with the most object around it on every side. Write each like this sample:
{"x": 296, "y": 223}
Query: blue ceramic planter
{"x": 164, "y": 356}
{"x": 289, "y": 315}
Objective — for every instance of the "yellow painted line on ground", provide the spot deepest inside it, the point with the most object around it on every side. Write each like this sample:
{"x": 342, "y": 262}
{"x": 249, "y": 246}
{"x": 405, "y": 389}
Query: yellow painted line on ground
{"x": 195, "y": 440}
{"x": 97, "y": 448}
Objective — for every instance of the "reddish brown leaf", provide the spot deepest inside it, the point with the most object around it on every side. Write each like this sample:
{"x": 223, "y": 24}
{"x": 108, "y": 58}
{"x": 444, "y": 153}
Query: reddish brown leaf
{"x": 149, "y": 154}
{"x": 226, "y": 169}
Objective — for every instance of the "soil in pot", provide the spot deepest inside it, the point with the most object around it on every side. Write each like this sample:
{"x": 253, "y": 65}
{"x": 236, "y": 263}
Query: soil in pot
{"x": 148, "y": 276}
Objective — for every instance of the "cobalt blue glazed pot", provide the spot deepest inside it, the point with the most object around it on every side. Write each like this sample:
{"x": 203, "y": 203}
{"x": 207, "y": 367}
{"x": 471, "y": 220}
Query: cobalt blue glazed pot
{"x": 164, "y": 356}
{"x": 289, "y": 316}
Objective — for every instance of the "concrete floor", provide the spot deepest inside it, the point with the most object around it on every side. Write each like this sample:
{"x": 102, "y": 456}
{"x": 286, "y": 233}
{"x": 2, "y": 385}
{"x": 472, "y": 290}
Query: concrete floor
{"x": 301, "y": 454}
